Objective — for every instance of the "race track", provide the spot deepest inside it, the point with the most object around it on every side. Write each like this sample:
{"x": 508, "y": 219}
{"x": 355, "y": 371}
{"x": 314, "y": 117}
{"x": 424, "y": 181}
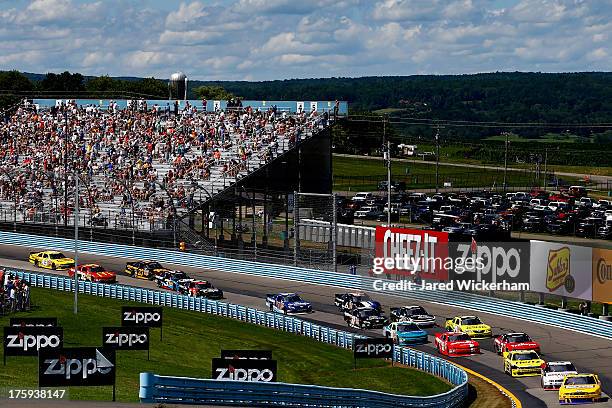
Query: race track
{"x": 588, "y": 353}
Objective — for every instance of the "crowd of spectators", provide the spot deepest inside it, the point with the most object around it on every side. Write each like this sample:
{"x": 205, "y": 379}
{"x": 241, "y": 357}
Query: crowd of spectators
{"x": 14, "y": 294}
{"x": 149, "y": 159}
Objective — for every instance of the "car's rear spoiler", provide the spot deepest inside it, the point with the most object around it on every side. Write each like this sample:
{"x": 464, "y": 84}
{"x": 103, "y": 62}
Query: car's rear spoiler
{"x": 394, "y": 309}
{"x": 270, "y": 295}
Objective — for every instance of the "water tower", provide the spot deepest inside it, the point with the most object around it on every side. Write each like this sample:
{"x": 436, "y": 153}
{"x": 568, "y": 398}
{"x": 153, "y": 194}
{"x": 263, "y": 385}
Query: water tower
{"x": 177, "y": 86}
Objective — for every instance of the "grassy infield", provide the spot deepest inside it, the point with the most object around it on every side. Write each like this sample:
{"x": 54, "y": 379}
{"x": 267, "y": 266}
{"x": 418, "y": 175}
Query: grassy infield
{"x": 422, "y": 175}
{"x": 192, "y": 339}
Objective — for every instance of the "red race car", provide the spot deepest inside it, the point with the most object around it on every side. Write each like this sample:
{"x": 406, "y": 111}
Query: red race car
{"x": 455, "y": 344}
{"x": 514, "y": 341}
{"x": 94, "y": 273}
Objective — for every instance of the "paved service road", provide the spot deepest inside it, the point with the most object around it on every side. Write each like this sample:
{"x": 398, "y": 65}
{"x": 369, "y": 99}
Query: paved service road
{"x": 588, "y": 353}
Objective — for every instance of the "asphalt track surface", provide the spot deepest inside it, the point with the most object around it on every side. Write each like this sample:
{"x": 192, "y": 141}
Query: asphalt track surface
{"x": 588, "y": 353}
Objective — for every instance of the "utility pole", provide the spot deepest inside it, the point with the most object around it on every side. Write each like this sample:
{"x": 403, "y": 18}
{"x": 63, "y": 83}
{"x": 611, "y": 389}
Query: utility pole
{"x": 65, "y": 166}
{"x": 437, "y": 158}
{"x": 387, "y": 158}
{"x": 545, "y": 168}
{"x": 388, "y": 154}
{"x": 76, "y": 242}
{"x": 506, "y": 164}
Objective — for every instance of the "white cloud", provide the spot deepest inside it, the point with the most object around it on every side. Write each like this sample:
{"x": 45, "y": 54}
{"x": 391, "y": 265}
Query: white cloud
{"x": 272, "y": 39}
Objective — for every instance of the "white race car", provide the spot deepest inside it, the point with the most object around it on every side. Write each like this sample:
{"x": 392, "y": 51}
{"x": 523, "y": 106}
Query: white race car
{"x": 554, "y": 372}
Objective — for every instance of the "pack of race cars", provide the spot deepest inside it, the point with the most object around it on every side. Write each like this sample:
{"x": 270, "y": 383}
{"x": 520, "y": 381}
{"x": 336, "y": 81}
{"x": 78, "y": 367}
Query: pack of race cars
{"x": 176, "y": 281}
{"x": 405, "y": 325}
{"x": 520, "y": 353}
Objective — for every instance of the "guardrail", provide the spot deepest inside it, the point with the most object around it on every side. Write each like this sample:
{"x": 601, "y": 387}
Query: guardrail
{"x": 156, "y": 388}
{"x": 169, "y": 389}
{"x": 582, "y": 324}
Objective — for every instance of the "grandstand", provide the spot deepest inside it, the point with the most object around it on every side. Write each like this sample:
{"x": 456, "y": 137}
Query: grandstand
{"x": 154, "y": 165}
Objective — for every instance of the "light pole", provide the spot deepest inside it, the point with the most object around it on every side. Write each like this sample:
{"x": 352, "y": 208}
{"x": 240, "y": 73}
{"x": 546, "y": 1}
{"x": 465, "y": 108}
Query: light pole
{"x": 65, "y": 167}
{"x": 506, "y": 162}
{"x": 437, "y": 159}
{"x": 76, "y": 241}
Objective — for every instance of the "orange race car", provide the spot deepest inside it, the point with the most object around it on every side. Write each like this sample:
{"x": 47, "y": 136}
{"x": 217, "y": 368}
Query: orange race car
{"x": 94, "y": 273}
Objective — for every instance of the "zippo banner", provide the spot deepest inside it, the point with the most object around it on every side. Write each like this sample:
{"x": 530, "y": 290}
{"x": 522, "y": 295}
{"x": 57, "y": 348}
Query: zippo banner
{"x": 224, "y": 369}
{"x": 141, "y": 316}
{"x": 80, "y": 366}
{"x": 561, "y": 269}
{"x": 29, "y": 341}
{"x": 602, "y": 275}
{"x": 126, "y": 338}
{"x": 373, "y": 348}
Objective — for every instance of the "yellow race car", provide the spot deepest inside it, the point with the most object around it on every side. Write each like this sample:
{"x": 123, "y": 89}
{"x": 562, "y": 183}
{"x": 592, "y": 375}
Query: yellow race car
{"x": 51, "y": 260}
{"x": 470, "y": 325}
{"x": 580, "y": 388}
{"x": 522, "y": 363}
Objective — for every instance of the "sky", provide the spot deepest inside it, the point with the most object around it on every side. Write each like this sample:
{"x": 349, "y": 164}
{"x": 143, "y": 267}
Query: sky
{"x": 282, "y": 39}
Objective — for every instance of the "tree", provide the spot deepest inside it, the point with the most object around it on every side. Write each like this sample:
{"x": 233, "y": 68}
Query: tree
{"x": 13, "y": 84}
{"x": 64, "y": 83}
{"x": 212, "y": 92}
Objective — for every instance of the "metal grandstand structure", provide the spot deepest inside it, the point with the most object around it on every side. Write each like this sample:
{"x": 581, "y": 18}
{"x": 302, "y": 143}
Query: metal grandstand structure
{"x": 240, "y": 209}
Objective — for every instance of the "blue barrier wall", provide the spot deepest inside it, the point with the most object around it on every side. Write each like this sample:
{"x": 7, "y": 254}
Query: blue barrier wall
{"x": 181, "y": 390}
{"x": 283, "y": 106}
{"x": 484, "y": 304}
{"x": 155, "y": 388}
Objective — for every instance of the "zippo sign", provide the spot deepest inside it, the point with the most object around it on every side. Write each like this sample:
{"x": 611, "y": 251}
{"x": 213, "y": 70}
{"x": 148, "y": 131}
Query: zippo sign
{"x": 80, "y": 366}
{"x": 28, "y": 341}
{"x": 125, "y": 338}
{"x": 247, "y": 370}
{"x": 373, "y": 348}
{"x": 561, "y": 269}
{"x": 33, "y": 321}
{"x": 141, "y": 316}
{"x": 491, "y": 262}
{"x": 419, "y": 248}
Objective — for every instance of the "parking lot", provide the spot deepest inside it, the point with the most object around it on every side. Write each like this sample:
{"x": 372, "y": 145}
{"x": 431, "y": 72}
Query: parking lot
{"x": 486, "y": 215}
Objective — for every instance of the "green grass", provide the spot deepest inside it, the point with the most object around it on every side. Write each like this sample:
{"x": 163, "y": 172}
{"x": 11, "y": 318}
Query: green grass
{"x": 192, "y": 339}
{"x": 363, "y": 174}
{"x": 547, "y": 138}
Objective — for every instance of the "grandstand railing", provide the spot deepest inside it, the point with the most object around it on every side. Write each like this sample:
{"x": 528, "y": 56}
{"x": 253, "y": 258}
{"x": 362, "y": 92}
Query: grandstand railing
{"x": 184, "y": 390}
{"x": 483, "y": 304}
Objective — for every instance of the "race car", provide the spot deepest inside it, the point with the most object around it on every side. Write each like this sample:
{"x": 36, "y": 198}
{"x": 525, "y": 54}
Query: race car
{"x": 170, "y": 279}
{"x": 454, "y": 344}
{"x": 51, "y": 260}
{"x": 470, "y": 325}
{"x": 580, "y": 388}
{"x": 200, "y": 288}
{"x": 365, "y": 318}
{"x": 522, "y": 363}
{"x": 94, "y": 273}
{"x": 554, "y": 372}
{"x": 287, "y": 303}
{"x": 413, "y": 313}
{"x": 514, "y": 341}
{"x": 348, "y": 301}
{"x": 144, "y": 269}
{"x": 405, "y": 333}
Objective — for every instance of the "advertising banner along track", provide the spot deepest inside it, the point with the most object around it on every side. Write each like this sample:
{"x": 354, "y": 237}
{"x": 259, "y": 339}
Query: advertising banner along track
{"x": 561, "y": 269}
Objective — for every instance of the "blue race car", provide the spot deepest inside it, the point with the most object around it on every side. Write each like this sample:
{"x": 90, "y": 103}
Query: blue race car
{"x": 287, "y": 303}
{"x": 406, "y": 332}
{"x": 171, "y": 280}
